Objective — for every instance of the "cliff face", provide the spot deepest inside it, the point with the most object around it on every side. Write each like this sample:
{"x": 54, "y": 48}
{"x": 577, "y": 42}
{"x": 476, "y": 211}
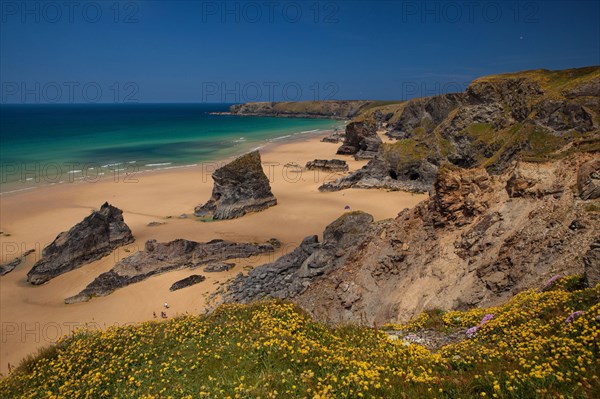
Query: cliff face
{"x": 529, "y": 115}
{"x": 477, "y": 241}
{"x": 304, "y": 109}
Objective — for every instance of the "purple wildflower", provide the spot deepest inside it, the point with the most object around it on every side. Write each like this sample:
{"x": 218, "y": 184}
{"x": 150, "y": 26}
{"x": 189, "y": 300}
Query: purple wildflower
{"x": 472, "y": 331}
{"x": 573, "y": 316}
{"x": 551, "y": 281}
{"x": 486, "y": 318}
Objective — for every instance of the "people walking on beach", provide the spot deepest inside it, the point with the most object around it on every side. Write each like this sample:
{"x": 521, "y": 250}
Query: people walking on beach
{"x": 154, "y": 314}
{"x": 166, "y": 305}
{"x": 163, "y": 315}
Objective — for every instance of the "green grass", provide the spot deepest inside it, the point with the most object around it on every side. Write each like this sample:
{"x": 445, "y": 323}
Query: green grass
{"x": 404, "y": 150}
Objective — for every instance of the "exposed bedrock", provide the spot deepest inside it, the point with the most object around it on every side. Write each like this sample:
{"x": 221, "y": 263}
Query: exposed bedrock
{"x": 163, "y": 257}
{"x": 328, "y": 165}
{"x": 11, "y": 265}
{"x": 186, "y": 282}
{"x": 588, "y": 180}
{"x": 240, "y": 187}
{"x": 361, "y": 140}
{"x": 478, "y": 240}
{"x": 93, "y": 238}
{"x": 534, "y": 115}
{"x": 290, "y": 274}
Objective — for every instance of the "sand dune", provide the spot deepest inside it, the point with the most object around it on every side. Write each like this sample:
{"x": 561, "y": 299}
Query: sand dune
{"x": 35, "y": 316}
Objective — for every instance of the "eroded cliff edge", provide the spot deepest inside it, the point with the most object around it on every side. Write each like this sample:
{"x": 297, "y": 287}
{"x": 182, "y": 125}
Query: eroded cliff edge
{"x": 533, "y": 115}
{"x": 478, "y": 240}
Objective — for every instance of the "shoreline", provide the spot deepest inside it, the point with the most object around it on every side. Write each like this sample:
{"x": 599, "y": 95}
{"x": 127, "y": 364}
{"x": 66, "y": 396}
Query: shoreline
{"x": 289, "y": 138}
{"x": 35, "y": 316}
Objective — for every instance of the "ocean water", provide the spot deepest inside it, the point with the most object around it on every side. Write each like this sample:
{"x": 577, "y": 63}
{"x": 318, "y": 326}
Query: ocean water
{"x": 50, "y": 144}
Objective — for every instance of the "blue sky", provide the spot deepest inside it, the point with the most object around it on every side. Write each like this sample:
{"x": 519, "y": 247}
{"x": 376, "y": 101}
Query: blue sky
{"x": 236, "y": 51}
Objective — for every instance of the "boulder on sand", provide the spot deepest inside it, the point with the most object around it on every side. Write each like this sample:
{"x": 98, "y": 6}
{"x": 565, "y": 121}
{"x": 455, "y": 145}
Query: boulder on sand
{"x": 240, "y": 187}
{"x": 93, "y": 238}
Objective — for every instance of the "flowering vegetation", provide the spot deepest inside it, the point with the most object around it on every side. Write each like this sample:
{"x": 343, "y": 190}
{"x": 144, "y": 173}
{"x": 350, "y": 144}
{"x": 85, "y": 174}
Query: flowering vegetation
{"x": 273, "y": 349}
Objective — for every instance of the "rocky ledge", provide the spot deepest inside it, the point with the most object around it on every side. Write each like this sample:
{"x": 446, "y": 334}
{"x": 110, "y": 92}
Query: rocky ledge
{"x": 163, "y": 257}
{"x": 217, "y": 267}
{"x": 240, "y": 187}
{"x": 93, "y": 238}
{"x": 186, "y": 282}
{"x": 290, "y": 274}
{"x": 10, "y": 266}
{"x": 378, "y": 174}
{"x": 336, "y": 137}
{"x": 328, "y": 165}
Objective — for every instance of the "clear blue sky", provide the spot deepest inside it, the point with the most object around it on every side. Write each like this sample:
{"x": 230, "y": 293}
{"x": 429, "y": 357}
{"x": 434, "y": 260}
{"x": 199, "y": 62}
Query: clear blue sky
{"x": 235, "y": 51}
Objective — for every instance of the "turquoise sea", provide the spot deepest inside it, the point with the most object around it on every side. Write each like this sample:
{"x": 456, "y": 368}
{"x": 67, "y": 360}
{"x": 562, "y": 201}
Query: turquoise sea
{"x": 49, "y": 144}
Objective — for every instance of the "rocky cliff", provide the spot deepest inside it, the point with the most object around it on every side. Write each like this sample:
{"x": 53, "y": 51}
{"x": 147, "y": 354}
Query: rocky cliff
{"x": 93, "y": 238}
{"x": 240, "y": 187}
{"x": 529, "y": 115}
{"x": 478, "y": 240}
{"x": 292, "y": 273}
{"x": 304, "y": 109}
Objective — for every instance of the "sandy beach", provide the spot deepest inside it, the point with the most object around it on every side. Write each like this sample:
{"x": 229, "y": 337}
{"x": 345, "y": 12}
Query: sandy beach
{"x": 35, "y": 316}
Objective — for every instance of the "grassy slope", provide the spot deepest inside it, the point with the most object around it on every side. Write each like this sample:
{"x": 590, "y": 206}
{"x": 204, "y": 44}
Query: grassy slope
{"x": 273, "y": 349}
{"x": 552, "y": 82}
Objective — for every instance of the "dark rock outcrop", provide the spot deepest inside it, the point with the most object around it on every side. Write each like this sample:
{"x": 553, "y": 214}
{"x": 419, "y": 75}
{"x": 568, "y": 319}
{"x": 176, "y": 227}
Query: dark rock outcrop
{"x": 531, "y": 115}
{"x": 328, "y": 165}
{"x": 163, "y": 257}
{"x": 10, "y": 266}
{"x": 240, "y": 187}
{"x": 91, "y": 239}
{"x": 375, "y": 174}
{"x": 336, "y": 136}
{"x": 292, "y": 273}
{"x": 588, "y": 180}
{"x": 216, "y": 267}
{"x": 425, "y": 112}
{"x": 382, "y": 172}
{"x": 361, "y": 140}
{"x": 186, "y": 282}
{"x": 562, "y": 116}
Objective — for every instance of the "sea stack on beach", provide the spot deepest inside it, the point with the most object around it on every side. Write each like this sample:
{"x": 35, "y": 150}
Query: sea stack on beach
{"x": 93, "y": 238}
{"x": 361, "y": 140}
{"x": 240, "y": 187}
